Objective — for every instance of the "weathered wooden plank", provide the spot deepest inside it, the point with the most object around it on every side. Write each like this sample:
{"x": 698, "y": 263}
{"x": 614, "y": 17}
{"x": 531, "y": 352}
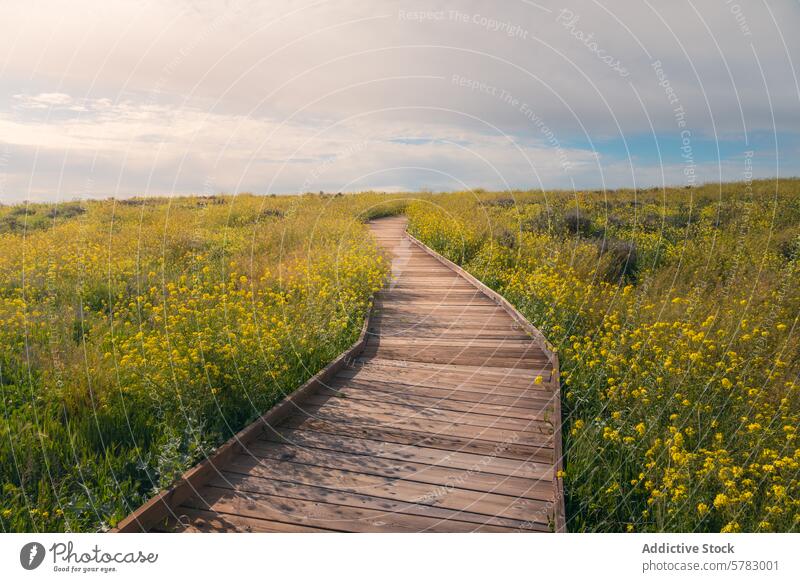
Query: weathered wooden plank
{"x": 315, "y": 514}
{"x": 411, "y": 452}
{"x": 190, "y": 520}
{"x": 358, "y": 416}
{"x": 402, "y": 396}
{"x": 520, "y": 345}
{"x": 404, "y": 470}
{"x": 284, "y": 488}
{"x": 450, "y": 497}
{"x": 408, "y": 411}
{"x": 389, "y": 329}
{"x": 466, "y": 356}
{"x": 453, "y": 393}
{"x": 454, "y": 321}
{"x": 477, "y": 312}
{"x": 541, "y": 452}
{"x": 477, "y": 373}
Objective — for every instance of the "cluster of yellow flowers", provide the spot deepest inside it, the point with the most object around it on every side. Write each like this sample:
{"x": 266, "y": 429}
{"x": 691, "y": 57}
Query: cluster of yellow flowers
{"x": 680, "y": 378}
{"x": 137, "y": 335}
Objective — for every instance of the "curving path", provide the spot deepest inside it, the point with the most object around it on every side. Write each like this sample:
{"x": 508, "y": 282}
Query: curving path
{"x": 443, "y": 418}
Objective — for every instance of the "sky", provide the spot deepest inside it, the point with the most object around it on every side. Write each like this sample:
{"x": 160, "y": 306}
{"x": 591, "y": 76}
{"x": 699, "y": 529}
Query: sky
{"x": 121, "y": 98}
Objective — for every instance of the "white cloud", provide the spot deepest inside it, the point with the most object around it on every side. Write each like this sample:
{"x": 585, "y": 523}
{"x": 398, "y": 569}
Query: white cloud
{"x": 123, "y": 97}
{"x": 42, "y": 100}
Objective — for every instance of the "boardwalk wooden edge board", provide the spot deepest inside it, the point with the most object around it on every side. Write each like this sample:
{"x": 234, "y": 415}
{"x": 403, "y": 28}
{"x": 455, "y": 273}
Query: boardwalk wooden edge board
{"x": 559, "y": 511}
{"x": 161, "y": 506}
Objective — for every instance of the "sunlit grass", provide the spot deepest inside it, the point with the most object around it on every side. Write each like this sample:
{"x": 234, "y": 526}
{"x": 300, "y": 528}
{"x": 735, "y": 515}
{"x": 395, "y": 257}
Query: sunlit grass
{"x": 675, "y": 317}
{"x": 137, "y": 335}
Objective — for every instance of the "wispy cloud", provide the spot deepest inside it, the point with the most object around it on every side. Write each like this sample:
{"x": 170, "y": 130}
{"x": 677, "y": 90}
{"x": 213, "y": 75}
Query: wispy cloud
{"x": 118, "y": 98}
{"x": 44, "y": 101}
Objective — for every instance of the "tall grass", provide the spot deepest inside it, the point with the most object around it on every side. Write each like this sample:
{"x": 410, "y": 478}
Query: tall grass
{"x": 675, "y": 315}
{"x": 138, "y": 335}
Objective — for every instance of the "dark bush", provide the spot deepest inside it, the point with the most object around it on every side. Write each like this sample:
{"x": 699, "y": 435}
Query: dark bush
{"x": 620, "y": 259}
{"x": 271, "y": 213}
{"x": 253, "y": 218}
{"x": 616, "y": 222}
{"x": 506, "y": 238}
{"x": 678, "y": 220}
{"x": 11, "y": 224}
{"x": 66, "y": 211}
{"x": 78, "y": 331}
{"x": 788, "y": 246}
{"x": 542, "y": 222}
{"x": 651, "y": 221}
{"x": 97, "y": 296}
{"x": 208, "y": 200}
{"x": 132, "y": 202}
{"x": 500, "y": 202}
{"x": 577, "y": 222}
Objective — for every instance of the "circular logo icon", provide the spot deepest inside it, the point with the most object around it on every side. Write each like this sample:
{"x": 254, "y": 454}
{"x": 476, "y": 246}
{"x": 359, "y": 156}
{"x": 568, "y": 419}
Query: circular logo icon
{"x": 31, "y": 555}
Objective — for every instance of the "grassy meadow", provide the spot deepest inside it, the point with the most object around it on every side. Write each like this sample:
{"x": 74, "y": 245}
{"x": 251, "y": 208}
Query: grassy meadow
{"x": 139, "y": 334}
{"x": 675, "y": 317}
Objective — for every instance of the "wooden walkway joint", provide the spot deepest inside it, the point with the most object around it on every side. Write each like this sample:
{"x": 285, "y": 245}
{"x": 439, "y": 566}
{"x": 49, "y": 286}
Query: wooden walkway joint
{"x": 443, "y": 417}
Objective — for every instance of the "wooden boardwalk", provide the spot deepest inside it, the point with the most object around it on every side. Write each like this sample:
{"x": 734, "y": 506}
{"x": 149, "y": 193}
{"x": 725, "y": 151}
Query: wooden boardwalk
{"x": 434, "y": 422}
